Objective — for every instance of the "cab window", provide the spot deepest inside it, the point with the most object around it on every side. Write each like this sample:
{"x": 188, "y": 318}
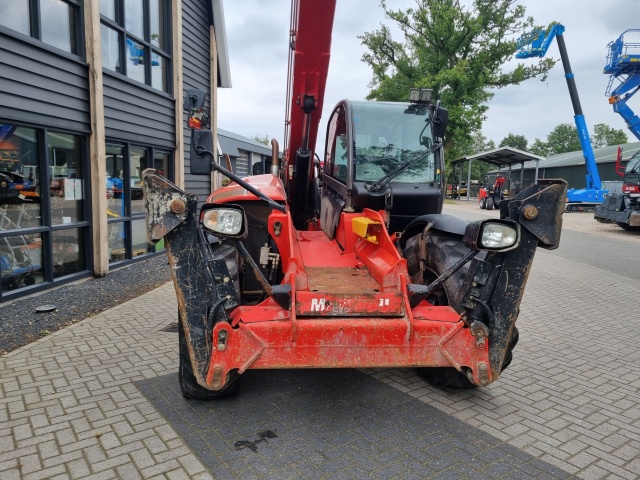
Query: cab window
{"x": 337, "y": 152}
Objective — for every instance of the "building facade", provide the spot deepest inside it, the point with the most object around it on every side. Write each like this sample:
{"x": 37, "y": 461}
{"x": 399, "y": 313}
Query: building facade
{"x": 247, "y": 156}
{"x": 91, "y": 94}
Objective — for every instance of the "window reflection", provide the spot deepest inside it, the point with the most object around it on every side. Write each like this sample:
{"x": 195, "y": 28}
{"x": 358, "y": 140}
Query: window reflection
{"x": 161, "y": 162}
{"x": 116, "y": 236}
{"x": 19, "y": 178}
{"x": 158, "y": 73}
{"x": 68, "y": 246}
{"x": 38, "y": 165}
{"x": 58, "y": 24}
{"x": 14, "y": 14}
{"x": 135, "y": 61}
{"x": 108, "y": 9}
{"x": 20, "y": 261}
{"x": 115, "y": 178}
{"x": 138, "y": 162}
{"x": 134, "y": 17}
{"x": 157, "y": 18}
{"x": 65, "y": 186}
{"x": 116, "y": 205}
{"x": 139, "y": 237}
{"x": 143, "y": 26}
{"x": 110, "y": 42}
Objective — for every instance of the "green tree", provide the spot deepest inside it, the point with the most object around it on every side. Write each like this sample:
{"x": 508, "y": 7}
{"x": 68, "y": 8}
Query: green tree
{"x": 605, "y": 136}
{"x": 562, "y": 139}
{"x": 480, "y": 143}
{"x": 514, "y": 141}
{"x": 460, "y": 52}
{"x": 264, "y": 140}
{"x": 539, "y": 147}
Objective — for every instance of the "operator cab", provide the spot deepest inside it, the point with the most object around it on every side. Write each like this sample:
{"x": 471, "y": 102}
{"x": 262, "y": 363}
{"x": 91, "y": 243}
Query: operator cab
{"x": 632, "y": 170}
{"x": 382, "y": 155}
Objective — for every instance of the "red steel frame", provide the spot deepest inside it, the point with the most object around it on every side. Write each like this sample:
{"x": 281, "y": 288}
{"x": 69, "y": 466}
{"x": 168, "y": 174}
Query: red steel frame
{"x": 331, "y": 323}
{"x": 328, "y": 328}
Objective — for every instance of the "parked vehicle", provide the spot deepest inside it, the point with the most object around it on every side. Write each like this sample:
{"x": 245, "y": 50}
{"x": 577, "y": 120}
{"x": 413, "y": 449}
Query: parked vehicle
{"x": 489, "y": 197}
{"x": 623, "y": 64}
{"x": 624, "y": 209}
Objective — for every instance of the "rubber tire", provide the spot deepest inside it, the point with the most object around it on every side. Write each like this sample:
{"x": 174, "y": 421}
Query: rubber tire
{"x": 490, "y": 203}
{"x": 435, "y": 264}
{"x": 628, "y": 228}
{"x": 483, "y": 203}
{"x": 188, "y": 383}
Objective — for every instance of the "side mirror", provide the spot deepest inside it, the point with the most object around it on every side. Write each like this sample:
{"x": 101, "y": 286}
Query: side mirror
{"x": 201, "y": 152}
{"x": 441, "y": 116}
{"x": 201, "y": 137}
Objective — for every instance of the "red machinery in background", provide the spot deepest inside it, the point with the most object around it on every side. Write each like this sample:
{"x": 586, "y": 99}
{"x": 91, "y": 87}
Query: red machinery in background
{"x": 489, "y": 197}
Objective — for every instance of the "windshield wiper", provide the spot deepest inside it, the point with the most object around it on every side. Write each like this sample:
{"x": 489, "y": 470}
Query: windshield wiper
{"x": 374, "y": 187}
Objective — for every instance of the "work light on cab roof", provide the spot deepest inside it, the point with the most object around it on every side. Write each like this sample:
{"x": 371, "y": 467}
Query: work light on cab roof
{"x": 420, "y": 95}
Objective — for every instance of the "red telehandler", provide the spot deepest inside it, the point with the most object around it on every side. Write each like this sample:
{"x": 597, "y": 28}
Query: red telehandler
{"x": 489, "y": 197}
{"x": 348, "y": 263}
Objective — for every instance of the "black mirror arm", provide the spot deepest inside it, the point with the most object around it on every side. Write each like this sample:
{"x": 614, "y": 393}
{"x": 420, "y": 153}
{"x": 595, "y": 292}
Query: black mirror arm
{"x": 239, "y": 181}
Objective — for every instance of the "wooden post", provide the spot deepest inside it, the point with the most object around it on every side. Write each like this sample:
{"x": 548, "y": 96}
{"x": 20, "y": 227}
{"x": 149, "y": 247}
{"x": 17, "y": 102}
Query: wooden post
{"x": 214, "y": 102}
{"x": 97, "y": 149}
{"x": 178, "y": 157}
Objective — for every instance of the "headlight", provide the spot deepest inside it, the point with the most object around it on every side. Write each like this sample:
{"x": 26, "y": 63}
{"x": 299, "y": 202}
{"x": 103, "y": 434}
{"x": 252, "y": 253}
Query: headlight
{"x": 496, "y": 235}
{"x": 227, "y": 221}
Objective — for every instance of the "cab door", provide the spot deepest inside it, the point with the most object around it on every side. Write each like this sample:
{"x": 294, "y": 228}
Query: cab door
{"x": 337, "y": 173}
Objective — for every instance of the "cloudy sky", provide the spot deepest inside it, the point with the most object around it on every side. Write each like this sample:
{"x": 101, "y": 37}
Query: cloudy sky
{"x": 257, "y": 35}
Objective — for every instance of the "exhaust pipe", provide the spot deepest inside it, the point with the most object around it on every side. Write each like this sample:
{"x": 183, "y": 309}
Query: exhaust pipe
{"x": 275, "y": 151}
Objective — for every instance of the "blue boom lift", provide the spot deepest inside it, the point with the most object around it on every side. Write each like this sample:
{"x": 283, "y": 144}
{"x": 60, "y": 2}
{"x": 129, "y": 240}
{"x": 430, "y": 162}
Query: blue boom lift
{"x": 623, "y": 64}
{"x": 536, "y": 44}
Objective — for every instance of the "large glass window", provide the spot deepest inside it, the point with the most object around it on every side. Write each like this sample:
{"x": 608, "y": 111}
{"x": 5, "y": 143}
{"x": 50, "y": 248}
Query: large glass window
{"x": 14, "y": 14}
{"x": 110, "y": 40}
{"x": 55, "y": 22}
{"x": 66, "y": 178}
{"x": 136, "y": 40}
{"x": 44, "y": 229}
{"x": 20, "y": 178}
{"x": 127, "y": 234}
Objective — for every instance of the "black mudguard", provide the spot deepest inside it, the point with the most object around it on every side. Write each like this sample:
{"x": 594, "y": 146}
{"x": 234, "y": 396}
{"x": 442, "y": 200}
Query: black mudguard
{"x": 204, "y": 296}
{"x": 489, "y": 289}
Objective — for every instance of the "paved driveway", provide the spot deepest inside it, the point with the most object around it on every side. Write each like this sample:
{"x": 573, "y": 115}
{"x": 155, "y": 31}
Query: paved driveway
{"x": 81, "y": 403}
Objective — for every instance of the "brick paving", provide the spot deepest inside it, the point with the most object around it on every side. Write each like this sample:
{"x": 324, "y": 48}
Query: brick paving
{"x": 334, "y": 424}
{"x": 70, "y": 407}
{"x": 571, "y": 395}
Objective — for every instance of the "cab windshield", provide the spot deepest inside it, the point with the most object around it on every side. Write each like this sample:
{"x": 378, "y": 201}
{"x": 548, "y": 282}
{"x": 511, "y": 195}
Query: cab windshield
{"x": 633, "y": 166}
{"x": 388, "y": 135}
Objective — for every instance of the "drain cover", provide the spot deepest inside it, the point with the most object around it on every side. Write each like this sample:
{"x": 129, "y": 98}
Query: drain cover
{"x": 46, "y": 308}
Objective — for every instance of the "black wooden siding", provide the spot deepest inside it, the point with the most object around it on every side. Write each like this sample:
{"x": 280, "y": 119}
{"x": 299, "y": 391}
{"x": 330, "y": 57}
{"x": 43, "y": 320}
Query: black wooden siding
{"x": 137, "y": 114}
{"x": 195, "y": 74}
{"x": 42, "y": 88}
